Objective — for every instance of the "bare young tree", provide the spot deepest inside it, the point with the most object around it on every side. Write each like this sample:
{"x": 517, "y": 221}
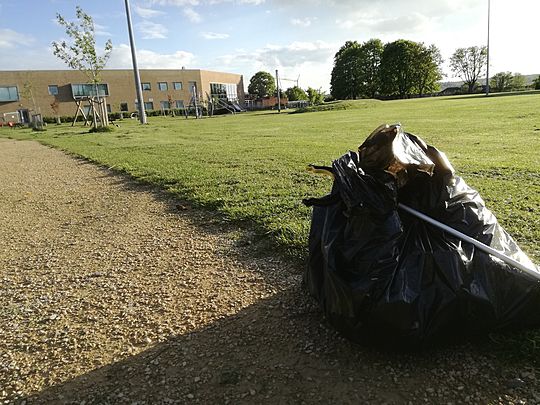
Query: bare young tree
{"x": 81, "y": 53}
{"x": 468, "y": 64}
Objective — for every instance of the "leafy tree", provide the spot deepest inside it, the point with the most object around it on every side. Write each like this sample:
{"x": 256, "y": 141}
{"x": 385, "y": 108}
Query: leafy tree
{"x": 27, "y": 93}
{"x": 518, "y": 81}
{"x": 397, "y": 72}
{"x": 345, "y": 79}
{"x": 370, "y": 61}
{"x": 409, "y": 67}
{"x": 428, "y": 69}
{"x": 315, "y": 96}
{"x": 81, "y": 52}
{"x": 501, "y": 81}
{"x": 295, "y": 93}
{"x": 469, "y": 64}
{"x": 536, "y": 83}
{"x": 262, "y": 84}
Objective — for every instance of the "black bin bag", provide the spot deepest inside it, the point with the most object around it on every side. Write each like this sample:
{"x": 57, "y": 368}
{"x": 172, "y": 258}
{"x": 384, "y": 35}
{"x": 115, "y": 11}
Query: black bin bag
{"x": 381, "y": 275}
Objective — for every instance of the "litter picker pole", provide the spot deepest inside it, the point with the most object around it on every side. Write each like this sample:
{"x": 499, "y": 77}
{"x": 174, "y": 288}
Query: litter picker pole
{"x": 508, "y": 260}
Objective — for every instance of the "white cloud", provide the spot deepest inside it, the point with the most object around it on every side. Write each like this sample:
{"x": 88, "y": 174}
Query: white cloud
{"x": 192, "y": 15}
{"x": 273, "y": 56}
{"x": 301, "y": 22}
{"x": 27, "y": 58}
{"x": 214, "y": 35}
{"x": 405, "y": 24}
{"x": 121, "y": 59}
{"x": 312, "y": 60}
{"x": 101, "y": 30}
{"x": 152, "y": 30}
{"x": 183, "y": 3}
{"x": 12, "y": 39}
{"x": 177, "y": 3}
{"x": 147, "y": 12}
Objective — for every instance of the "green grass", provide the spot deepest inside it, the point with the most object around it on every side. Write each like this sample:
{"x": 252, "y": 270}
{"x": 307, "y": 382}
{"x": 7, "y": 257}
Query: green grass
{"x": 250, "y": 167}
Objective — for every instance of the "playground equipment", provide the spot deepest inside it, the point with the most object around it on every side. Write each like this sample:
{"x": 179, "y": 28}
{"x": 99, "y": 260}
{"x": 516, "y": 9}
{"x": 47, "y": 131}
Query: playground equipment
{"x": 97, "y": 109}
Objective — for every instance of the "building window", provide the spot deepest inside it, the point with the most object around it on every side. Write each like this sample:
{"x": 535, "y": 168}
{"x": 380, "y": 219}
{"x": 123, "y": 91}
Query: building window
{"x": 177, "y": 85}
{"x": 225, "y": 91}
{"x": 124, "y": 107}
{"x": 53, "y": 89}
{"x": 146, "y": 86}
{"x": 192, "y": 87}
{"x": 165, "y": 105}
{"x": 148, "y": 105}
{"x": 9, "y": 93}
{"x": 80, "y": 90}
{"x": 109, "y": 108}
{"x": 179, "y": 104}
{"x": 163, "y": 86}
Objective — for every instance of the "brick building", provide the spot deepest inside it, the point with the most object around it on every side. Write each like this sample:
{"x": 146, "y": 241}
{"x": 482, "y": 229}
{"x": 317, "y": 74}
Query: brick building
{"x": 21, "y": 91}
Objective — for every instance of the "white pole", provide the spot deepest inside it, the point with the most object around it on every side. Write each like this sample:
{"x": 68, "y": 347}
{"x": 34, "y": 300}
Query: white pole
{"x": 278, "y": 99}
{"x": 508, "y": 260}
{"x": 138, "y": 88}
{"x": 487, "y": 67}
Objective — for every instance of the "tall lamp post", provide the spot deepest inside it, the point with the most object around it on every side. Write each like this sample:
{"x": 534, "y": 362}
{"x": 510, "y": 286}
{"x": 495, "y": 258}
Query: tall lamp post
{"x": 138, "y": 88}
{"x": 487, "y": 67}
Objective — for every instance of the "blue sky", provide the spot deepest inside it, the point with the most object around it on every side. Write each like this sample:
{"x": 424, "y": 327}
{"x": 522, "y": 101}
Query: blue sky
{"x": 298, "y": 37}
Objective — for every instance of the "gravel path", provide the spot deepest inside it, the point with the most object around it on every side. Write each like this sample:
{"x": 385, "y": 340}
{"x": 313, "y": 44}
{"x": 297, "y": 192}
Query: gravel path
{"x": 113, "y": 292}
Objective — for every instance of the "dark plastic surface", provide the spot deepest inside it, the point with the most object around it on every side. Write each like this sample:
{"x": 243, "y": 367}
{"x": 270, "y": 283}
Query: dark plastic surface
{"x": 382, "y": 275}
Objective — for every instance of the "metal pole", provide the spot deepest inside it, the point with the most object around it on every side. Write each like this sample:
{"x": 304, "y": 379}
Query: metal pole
{"x": 487, "y": 67}
{"x": 508, "y": 260}
{"x": 138, "y": 88}
{"x": 278, "y": 98}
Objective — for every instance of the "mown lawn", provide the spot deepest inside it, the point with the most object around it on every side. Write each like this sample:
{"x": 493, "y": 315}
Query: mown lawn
{"x": 250, "y": 167}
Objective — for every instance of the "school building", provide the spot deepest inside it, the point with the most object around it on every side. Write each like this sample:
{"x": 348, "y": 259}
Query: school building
{"x": 55, "y": 92}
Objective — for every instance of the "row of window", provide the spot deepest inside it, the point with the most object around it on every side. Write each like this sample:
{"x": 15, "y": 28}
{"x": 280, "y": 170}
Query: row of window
{"x": 87, "y": 89}
{"x": 11, "y": 93}
{"x": 164, "y": 86}
{"x": 79, "y": 90}
{"x": 149, "y": 105}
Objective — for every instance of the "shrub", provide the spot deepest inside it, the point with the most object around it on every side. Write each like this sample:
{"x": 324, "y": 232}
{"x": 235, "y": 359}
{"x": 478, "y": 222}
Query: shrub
{"x": 101, "y": 129}
{"x": 536, "y": 83}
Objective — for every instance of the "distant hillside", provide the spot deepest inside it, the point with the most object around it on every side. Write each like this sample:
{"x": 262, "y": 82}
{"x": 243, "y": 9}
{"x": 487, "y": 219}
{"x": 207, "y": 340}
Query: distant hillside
{"x": 444, "y": 85}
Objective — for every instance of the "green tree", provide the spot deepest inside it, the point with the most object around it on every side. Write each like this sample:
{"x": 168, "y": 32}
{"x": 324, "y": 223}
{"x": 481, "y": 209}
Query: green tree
{"x": 518, "y": 81}
{"x": 409, "y": 67}
{"x": 262, "y": 84}
{"x": 315, "y": 96}
{"x": 295, "y": 93}
{"x": 428, "y": 71}
{"x": 501, "y": 81}
{"x": 536, "y": 83}
{"x": 81, "y": 53}
{"x": 397, "y": 72}
{"x": 468, "y": 64}
{"x": 27, "y": 93}
{"x": 370, "y": 61}
{"x": 345, "y": 79}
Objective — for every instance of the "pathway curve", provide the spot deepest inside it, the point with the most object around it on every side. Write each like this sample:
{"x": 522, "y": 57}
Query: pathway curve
{"x": 114, "y": 292}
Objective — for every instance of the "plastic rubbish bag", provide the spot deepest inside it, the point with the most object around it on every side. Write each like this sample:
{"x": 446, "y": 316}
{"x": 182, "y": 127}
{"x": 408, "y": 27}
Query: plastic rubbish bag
{"x": 382, "y": 275}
